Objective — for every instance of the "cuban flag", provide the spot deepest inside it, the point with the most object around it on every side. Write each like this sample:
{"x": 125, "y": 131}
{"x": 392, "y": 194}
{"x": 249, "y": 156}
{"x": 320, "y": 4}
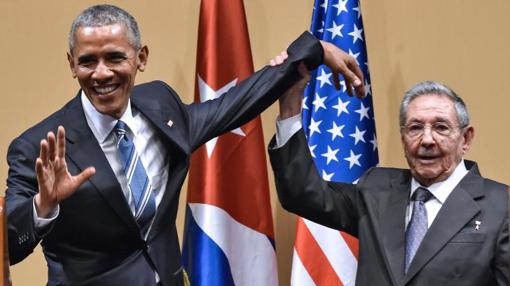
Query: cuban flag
{"x": 342, "y": 139}
{"x": 228, "y": 236}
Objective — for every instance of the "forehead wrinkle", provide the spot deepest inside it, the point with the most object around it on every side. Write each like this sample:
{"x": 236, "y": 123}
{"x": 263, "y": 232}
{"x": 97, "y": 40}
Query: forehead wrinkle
{"x": 425, "y": 109}
{"x": 433, "y": 120}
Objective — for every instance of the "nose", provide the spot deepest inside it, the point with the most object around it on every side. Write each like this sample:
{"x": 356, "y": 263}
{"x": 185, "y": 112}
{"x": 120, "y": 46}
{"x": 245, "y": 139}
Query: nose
{"x": 102, "y": 72}
{"x": 428, "y": 137}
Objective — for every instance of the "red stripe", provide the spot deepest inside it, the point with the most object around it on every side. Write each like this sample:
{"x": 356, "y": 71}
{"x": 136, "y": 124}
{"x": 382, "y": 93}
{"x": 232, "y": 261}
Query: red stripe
{"x": 315, "y": 262}
{"x": 352, "y": 242}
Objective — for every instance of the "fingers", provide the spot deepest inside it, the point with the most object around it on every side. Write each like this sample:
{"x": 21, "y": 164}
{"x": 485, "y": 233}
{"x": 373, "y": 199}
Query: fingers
{"x": 351, "y": 78}
{"x": 284, "y": 55}
{"x": 358, "y": 85}
{"x": 279, "y": 59}
{"x": 43, "y": 152}
{"x": 85, "y": 175}
{"x": 51, "y": 146}
{"x": 336, "y": 80}
{"x": 61, "y": 142}
{"x": 39, "y": 170}
{"x": 340, "y": 62}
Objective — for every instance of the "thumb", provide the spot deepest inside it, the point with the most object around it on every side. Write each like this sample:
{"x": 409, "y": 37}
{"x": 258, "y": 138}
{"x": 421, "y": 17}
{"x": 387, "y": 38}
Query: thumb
{"x": 85, "y": 175}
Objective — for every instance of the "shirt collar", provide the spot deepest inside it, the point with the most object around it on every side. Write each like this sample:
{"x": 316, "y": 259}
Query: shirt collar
{"x": 103, "y": 124}
{"x": 441, "y": 190}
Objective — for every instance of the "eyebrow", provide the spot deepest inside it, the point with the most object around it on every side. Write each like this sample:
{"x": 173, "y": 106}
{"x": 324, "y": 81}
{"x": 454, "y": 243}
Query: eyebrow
{"x": 116, "y": 54}
{"x": 435, "y": 120}
{"x": 86, "y": 58}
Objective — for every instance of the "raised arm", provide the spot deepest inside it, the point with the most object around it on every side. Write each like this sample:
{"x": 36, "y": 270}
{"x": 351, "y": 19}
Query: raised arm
{"x": 301, "y": 190}
{"x": 38, "y": 181}
{"x": 338, "y": 61}
{"x": 254, "y": 94}
{"x": 54, "y": 180}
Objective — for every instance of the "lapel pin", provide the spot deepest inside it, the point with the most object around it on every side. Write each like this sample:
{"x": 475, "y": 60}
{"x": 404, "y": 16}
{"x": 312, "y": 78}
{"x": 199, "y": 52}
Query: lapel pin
{"x": 477, "y": 224}
{"x": 170, "y": 123}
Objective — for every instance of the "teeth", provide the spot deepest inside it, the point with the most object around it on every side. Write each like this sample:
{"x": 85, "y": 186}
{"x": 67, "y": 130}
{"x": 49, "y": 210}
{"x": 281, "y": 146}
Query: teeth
{"x": 105, "y": 89}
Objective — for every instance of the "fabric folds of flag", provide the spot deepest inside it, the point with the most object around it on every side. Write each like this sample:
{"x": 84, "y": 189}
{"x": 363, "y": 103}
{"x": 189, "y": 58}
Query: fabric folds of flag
{"x": 228, "y": 236}
{"x": 342, "y": 139}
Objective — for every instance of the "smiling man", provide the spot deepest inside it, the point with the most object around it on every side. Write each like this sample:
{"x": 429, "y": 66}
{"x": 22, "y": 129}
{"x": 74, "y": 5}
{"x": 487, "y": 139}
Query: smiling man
{"x": 101, "y": 194}
{"x": 438, "y": 223}
{"x": 105, "y": 60}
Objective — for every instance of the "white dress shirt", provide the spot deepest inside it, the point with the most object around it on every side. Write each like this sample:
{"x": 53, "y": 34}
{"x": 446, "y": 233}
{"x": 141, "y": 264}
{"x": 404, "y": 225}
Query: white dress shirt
{"x": 440, "y": 192}
{"x": 286, "y": 128}
{"x": 149, "y": 146}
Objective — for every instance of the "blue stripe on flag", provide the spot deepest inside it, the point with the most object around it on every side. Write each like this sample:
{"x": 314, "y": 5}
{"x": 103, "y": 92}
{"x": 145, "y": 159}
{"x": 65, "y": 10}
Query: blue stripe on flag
{"x": 204, "y": 261}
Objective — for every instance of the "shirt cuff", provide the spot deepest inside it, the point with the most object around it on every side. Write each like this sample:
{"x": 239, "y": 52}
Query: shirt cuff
{"x": 285, "y": 128}
{"x": 40, "y": 222}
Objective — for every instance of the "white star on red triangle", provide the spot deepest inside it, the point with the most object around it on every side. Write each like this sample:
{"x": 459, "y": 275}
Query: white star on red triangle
{"x": 207, "y": 93}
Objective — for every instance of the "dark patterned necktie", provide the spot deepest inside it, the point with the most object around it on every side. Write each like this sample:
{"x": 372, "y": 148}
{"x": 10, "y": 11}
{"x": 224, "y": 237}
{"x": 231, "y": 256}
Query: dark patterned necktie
{"x": 418, "y": 225}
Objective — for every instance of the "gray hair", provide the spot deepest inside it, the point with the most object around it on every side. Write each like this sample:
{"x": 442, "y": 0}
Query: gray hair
{"x": 104, "y": 15}
{"x": 434, "y": 88}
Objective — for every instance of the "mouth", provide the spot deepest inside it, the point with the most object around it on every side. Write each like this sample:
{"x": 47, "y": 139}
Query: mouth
{"x": 106, "y": 89}
{"x": 428, "y": 158}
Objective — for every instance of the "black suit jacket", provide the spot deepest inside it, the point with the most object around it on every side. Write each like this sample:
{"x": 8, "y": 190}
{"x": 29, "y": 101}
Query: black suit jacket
{"x": 95, "y": 239}
{"x": 453, "y": 251}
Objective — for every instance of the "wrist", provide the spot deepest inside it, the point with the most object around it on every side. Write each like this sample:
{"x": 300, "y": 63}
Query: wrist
{"x": 326, "y": 51}
{"x": 287, "y": 111}
{"x": 43, "y": 209}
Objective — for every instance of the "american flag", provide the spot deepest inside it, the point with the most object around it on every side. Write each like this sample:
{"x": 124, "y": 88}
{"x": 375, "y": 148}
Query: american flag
{"x": 342, "y": 139}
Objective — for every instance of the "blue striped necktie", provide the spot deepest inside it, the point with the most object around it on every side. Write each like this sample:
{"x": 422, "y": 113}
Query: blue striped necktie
{"x": 138, "y": 181}
{"x": 418, "y": 225}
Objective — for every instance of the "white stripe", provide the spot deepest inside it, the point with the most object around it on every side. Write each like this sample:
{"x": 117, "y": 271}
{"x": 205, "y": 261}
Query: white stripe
{"x": 145, "y": 200}
{"x": 336, "y": 250}
{"x": 132, "y": 167}
{"x": 251, "y": 256}
{"x": 300, "y": 276}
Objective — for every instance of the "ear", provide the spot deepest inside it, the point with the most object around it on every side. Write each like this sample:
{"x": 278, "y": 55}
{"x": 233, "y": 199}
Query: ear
{"x": 469, "y": 135}
{"x": 143, "y": 54}
{"x": 71, "y": 64}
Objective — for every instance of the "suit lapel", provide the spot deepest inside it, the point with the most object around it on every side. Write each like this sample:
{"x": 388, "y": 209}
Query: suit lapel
{"x": 392, "y": 222}
{"x": 84, "y": 151}
{"x": 458, "y": 209}
{"x": 172, "y": 127}
{"x": 168, "y": 121}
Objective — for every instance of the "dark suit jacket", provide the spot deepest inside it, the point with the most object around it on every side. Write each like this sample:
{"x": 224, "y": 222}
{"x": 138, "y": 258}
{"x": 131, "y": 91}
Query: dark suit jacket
{"x": 95, "y": 239}
{"x": 452, "y": 253}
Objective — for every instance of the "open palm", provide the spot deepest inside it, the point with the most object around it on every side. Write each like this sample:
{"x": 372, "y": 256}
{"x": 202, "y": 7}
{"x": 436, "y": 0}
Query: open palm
{"x": 55, "y": 182}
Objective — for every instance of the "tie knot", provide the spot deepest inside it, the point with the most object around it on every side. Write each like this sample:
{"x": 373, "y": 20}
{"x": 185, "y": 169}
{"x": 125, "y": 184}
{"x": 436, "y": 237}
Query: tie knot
{"x": 120, "y": 128}
{"x": 422, "y": 195}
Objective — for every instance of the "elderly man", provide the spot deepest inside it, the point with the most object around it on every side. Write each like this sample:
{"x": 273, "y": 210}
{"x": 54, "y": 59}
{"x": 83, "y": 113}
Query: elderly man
{"x": 437, "y": 223}
{"x": 102, "y": 194}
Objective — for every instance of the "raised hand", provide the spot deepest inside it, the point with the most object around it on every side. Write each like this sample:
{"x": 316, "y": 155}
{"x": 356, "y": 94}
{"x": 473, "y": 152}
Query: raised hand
{"x": 338, "y": 61}
{"x": 342, "y": 63}
{"x": 290, "y": 101}
{"x": 55, "y": 182}
{"x": 279, "y": 59}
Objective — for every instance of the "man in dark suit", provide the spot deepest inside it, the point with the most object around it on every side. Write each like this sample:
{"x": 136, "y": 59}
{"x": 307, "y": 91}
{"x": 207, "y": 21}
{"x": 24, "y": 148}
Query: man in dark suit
{"x": 438, "y": 223}
{"x": 102, "y": 193}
